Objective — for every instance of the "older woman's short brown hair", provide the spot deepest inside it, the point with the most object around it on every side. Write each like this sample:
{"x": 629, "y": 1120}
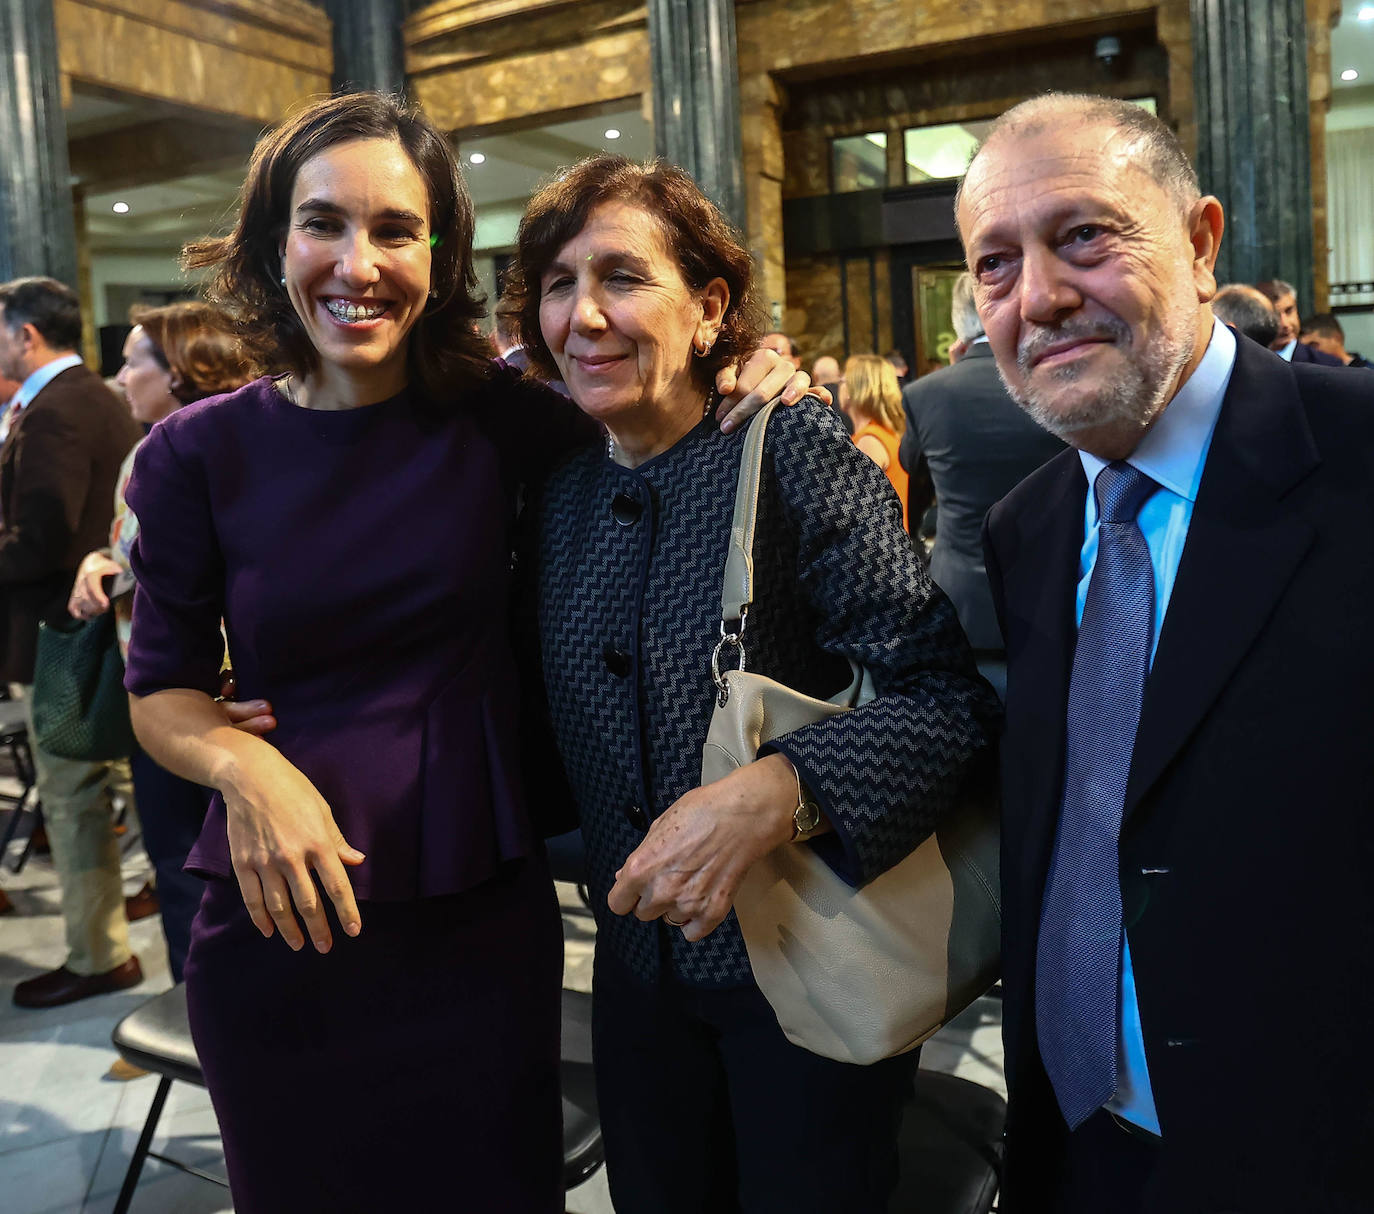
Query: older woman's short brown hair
{"x": 446, "y": 350}
{"x": 199, "y": 344}
{"x": 700, "y": 239}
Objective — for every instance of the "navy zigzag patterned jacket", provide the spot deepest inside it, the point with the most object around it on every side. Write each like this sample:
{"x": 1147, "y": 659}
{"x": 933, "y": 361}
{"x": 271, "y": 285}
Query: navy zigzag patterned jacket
{"x": 629, "y": 565}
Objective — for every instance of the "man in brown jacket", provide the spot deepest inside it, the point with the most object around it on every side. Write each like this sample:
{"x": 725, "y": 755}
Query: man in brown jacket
{"x": 67, "y": 437}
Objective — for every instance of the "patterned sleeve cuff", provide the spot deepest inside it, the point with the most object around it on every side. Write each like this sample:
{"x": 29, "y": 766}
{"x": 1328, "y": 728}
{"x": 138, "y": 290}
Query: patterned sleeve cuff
{"x": 836, "y": 847}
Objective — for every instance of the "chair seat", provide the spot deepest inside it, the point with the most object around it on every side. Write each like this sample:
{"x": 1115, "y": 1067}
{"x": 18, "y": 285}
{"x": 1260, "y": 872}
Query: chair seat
{"x": 950, "y": 1146}
{"x": 157, "y": 1037}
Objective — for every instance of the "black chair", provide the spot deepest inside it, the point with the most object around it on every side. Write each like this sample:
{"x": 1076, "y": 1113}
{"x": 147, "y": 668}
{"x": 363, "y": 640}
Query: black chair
{"x": 950, "y": 1146}
{"x": 157, "y": 1037}
{"x": 14, "y": 739}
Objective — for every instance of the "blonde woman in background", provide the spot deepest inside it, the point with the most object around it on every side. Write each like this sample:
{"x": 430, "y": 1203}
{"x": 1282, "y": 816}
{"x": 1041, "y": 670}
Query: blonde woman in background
{"x": 871, "y": 399}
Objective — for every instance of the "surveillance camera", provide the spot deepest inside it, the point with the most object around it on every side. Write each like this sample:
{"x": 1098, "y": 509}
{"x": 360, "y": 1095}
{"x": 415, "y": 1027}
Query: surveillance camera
{"x": 1107, "y": 49}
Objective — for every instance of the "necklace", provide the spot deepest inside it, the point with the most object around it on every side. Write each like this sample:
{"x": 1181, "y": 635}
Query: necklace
{"x": 711, "y": 398}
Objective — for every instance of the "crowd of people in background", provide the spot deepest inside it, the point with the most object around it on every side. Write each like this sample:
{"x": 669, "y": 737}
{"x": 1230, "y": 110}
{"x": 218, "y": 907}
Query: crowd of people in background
{"x": 1150, "y": 497}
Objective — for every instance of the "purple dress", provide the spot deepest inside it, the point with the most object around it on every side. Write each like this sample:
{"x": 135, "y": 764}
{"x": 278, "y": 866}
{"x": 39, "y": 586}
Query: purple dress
{"x": 360, "y": 560}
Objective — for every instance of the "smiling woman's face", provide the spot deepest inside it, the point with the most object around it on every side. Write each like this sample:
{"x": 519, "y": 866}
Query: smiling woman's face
{"x": 620, "y": 320}
{"x": 356, "y": 256}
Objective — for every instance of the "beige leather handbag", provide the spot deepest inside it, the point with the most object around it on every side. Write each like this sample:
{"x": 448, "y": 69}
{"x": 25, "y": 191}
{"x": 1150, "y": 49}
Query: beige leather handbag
{"x": 853, "y": 974}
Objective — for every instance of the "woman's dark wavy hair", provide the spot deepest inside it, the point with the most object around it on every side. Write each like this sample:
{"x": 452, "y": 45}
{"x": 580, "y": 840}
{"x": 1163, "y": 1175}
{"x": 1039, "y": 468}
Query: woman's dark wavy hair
{"x": 198, "y": 343}
{"x": 700, "y": 239}
{"x": 446, "y": 350}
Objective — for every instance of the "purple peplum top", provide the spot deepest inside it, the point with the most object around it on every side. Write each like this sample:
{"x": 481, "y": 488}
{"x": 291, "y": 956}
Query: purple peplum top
{"x": 360, "y": 561}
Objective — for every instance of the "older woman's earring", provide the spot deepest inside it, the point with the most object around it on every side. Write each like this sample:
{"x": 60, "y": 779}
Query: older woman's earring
{"x": 282, "y": 280}
{"x": 702, "y": 350}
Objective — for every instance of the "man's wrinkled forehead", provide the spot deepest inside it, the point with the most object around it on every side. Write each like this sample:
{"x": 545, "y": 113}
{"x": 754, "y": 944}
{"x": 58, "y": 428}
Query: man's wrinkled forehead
{"x": 1075, "y": 159}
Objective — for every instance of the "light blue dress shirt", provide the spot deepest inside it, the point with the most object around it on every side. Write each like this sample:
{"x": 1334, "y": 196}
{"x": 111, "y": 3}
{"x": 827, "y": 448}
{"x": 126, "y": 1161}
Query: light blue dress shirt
{"x": 1287, "y": 352}
{"x": 1173, "y": 454}
{"x": 39, "y": 380}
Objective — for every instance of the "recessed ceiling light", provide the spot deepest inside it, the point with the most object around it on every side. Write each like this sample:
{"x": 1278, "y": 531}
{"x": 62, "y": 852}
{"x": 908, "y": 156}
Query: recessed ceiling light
{"x": 120, "y": 208}
{"x": 612, "y": 133}
{"x": 477, "y": 158}
{"x": 1366, "y": 13}
{"x": 1350, "y": 74}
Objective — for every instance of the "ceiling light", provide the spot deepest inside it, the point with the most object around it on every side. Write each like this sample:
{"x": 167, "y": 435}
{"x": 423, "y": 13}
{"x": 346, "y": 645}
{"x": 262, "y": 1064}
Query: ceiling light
{"x": 1350, "y": 74}
{"x": 120, "y": 208}
{"x": 477, "y": 158}
{"x": 612, "y": 133}
{"x": 1366, "y": 13}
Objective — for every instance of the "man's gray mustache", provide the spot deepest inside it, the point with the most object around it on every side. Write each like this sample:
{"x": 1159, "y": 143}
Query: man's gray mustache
{"x": 1031, "y": 347}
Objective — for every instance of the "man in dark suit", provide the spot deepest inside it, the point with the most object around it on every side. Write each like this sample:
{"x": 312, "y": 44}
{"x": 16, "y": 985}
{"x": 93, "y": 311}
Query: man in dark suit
{"x": 1284, "y": 297}
{"x": 1323, "y": 332}
{"x": 977, "y": 444}
{"x": 1187, "y": 774}
{"x": 67, "y": 437}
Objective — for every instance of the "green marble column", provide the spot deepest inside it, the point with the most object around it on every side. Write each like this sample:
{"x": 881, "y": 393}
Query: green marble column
{"x": 369, "y": 52}
{"x": 37, "y": 228}
{"x": 1250, "y": 73}
{"x": 696, "y": 95}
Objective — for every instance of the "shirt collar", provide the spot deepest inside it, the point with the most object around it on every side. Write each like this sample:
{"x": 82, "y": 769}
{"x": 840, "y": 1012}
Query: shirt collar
{"x": 980, "y": 340}
{"x": 1287, "y": 352}
{"x": 1174, "y": 449}
{"x": 41, "y": 378}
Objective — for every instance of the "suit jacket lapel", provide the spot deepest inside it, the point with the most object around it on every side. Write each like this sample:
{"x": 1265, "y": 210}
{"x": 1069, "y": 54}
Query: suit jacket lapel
{"x": 1242, "y": 549}
{"x": 1039, "y": 586}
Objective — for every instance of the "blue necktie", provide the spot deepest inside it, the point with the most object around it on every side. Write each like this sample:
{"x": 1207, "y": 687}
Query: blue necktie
{"x": 1078, "y": 960}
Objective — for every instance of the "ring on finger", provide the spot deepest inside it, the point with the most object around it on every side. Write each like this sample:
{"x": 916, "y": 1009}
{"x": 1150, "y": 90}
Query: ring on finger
{"x": 671, "y": 922}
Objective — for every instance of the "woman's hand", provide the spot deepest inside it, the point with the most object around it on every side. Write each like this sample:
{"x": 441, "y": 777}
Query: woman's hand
{"x": 251, "y": 716}
{"x": 694, "y": 857}
{"x": 282, "y": 834}
{"x": 88, "y": 598}
{"x": 765, "y": 376}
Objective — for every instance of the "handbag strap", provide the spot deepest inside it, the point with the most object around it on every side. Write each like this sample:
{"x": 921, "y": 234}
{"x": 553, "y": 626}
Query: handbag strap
{"x": 737, "y": 592}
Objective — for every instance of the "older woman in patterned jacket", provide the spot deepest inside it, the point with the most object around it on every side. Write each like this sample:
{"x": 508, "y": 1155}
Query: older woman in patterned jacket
{"x": 634, "y": 291}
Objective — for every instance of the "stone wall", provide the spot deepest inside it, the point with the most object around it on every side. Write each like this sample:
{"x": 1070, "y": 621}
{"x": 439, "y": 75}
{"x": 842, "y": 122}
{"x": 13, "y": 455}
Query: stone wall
{"x": 251, "y": 59}
{"x": 479, "y": 65}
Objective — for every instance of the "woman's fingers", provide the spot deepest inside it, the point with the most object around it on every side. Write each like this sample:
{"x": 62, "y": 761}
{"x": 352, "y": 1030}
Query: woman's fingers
{"x": 251, "y": 890}
{"x": 338, "y": 888}
{"x": 250, "y": 716}
{"x": 276, "y": 895}
{"x": 311, "y": 908}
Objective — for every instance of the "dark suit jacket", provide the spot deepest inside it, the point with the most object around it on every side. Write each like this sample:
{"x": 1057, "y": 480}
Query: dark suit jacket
{"x": 57, "y": 480}
{"x": 1303, "y": 353}
{"x": 1248, "y": 837}
{"x": 978, "y": 444}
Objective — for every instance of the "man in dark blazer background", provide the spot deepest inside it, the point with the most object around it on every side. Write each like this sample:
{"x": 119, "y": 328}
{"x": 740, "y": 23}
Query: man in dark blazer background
{"x": 1284, "y": 297}
{"x": 67, "y": 436}
{"x": 1187, "y": 773}
{"x": 977, "y": 444}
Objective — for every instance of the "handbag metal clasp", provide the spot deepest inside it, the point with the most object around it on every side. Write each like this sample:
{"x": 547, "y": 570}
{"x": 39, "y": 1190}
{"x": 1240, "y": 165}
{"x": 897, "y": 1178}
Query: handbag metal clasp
{"x": 733, "y": 639}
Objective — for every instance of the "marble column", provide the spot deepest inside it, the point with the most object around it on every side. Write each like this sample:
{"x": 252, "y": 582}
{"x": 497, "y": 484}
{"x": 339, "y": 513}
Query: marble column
{"x": 369, "y": 52}
{"x": 37, "y": 228}
{"x": 1250, "y": 77}
{"x": 696, "y": 95}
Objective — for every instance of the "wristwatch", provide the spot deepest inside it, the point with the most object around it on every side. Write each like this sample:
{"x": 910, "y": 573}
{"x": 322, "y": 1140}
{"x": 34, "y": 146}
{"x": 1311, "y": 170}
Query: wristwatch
{"x": 807, "y": 816}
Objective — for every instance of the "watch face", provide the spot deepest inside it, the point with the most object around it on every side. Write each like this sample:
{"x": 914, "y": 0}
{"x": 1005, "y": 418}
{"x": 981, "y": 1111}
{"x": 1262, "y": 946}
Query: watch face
{"x": 807, "y": 817}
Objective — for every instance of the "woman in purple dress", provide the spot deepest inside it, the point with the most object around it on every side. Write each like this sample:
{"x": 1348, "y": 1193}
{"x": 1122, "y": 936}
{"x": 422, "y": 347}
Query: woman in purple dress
{"x": 351, "y": 523}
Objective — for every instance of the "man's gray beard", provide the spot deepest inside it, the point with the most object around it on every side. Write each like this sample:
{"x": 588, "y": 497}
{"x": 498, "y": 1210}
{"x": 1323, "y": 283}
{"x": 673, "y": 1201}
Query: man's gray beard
{"x": 1132, "y": 397}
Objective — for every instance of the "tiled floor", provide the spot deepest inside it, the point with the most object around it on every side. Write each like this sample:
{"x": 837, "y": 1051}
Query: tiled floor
{"x": 66, "y": 1132}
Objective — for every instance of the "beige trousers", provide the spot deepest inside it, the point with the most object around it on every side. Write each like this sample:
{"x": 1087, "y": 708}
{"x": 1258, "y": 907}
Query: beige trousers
{"x": 78, "y": 812}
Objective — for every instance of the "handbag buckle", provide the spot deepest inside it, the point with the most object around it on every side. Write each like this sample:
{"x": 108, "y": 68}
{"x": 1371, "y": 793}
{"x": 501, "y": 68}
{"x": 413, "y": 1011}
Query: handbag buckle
{"x": 735, "y": 641}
